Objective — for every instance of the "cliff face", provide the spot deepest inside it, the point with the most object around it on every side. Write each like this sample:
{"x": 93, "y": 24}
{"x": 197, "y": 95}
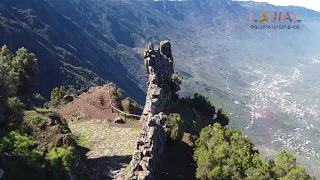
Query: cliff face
{"x": 152, "y": 138}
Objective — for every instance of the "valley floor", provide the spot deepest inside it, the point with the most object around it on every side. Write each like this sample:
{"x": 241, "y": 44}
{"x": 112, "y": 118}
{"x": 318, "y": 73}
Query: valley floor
{"x": 291, "y": 95}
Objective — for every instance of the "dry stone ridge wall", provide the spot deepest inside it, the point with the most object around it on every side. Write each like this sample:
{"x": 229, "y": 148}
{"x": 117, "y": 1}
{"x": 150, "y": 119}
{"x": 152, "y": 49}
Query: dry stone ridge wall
{"x": 152, "y": 138}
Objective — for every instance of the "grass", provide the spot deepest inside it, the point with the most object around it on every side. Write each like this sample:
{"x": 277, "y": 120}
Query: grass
{"x": 126, "y": 118}
{"x": 60, "y": 156}
{"x": 262, "y": 156}
{"x": 135, "y": 130}
{"x": 78, "y": 115}
{"x": 26, "y": 162}
{"x": 43, "y": 111}
{"x": 98, "y": 103}
{"x": 63, "y": 128}
{"x": 37, "y": 121}
{"x": 81, "y": 140}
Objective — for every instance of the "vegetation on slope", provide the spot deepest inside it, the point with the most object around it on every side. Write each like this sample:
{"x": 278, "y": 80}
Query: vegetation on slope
{"x": 196, "y": 113}
{"x": 81, "y": 43}
{"x": 226, "y": 154}
{"x": 34, "y": 144}
{"x": 175, "y": 125}
{"x": 17, "y": 78}
{"x": 220, "y": 152}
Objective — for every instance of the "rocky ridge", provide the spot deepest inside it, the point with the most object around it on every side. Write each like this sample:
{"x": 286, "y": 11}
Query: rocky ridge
{"x": 152, "y": 137}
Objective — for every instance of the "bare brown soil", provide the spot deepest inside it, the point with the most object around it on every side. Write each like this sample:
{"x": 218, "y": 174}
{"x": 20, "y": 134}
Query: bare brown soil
{"x": 106, "y": 146}
{"x": 91, "y": 105}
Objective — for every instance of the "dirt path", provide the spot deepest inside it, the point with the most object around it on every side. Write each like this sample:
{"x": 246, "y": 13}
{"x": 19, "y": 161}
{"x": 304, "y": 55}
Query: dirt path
{"x": 110, "y": 147}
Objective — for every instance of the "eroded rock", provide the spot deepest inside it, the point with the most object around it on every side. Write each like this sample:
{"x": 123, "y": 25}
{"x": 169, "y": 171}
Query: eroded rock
{"x": 152, "y": 137}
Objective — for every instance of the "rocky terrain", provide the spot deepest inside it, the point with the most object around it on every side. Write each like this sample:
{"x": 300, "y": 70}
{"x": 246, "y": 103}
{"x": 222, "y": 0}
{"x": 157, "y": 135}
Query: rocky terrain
{"x": 106, "y": 145}
{"x": 152, "y": 138}
{"x": 95, "y": 104}
{"x": 109, "y": 146}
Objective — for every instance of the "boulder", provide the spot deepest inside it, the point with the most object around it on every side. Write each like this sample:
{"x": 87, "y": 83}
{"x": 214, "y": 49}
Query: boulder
{"x": 64, "y": 140}
{"x": 67, "y": 140}
{"x": 54, "y": 122}
{"x": 118, "y": 120}
{"x": 76, "y": 117}
{"x": 68, "y": 98}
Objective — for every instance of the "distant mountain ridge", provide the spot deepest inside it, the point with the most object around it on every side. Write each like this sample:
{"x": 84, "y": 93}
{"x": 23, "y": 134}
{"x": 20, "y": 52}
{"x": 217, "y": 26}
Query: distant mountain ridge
{"x": 87, "y": 42}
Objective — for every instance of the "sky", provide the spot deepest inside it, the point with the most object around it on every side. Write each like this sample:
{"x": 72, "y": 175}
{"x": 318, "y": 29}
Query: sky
{"x": 310, "y": 4}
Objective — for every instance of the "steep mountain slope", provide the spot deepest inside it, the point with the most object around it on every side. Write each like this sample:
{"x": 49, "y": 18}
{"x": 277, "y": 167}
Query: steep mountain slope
{"x": 70, "y": 49}
{"x": 77, "y": 41}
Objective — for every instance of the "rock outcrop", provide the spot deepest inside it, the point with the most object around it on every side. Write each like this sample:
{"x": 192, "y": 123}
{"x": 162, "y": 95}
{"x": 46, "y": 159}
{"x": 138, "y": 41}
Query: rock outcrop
{"x": 152, "y": 138}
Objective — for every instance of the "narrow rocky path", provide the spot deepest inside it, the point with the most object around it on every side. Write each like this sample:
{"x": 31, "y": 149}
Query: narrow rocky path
{"x": 110, "y": 146}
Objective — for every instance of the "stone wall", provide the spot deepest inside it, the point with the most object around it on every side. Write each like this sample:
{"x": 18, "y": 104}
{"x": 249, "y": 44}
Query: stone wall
{"x": 152, "y": 138}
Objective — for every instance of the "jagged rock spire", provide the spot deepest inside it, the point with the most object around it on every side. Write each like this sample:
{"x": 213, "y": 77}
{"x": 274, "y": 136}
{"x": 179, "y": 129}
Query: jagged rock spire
{"x": 150, "y": 46}
{"x": 152, "y": 138}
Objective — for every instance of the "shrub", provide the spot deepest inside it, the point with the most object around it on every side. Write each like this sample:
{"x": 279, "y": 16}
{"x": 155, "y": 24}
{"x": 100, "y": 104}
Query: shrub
{"x": 43, "y": 111}
{"x": 135, "y": 108}
{"x": 222, "y": 117}
{"x": 18, "y": 71}
{"x": 81, "y": 140}
{"x": 128, "y": 107}
{"x": 17, "y": 77}
{"x": 196, "y": 112}
{"x": 25, "y": 161}
{"x": 14, "y": 108}
{"x": 57, "y": 95}
{"x": 15, "y": 105}
{"x": 175, "y": 126}
{"x": 64, "y": 128}
{"x": 203, "y": 105}
{"x": 223, "y": 154}
{"x": 37, "y": 121}
{"x": 120, "y": 93}
{"x": 98, "y": 103}
{"x": 38, "y": 100}
{"x": 226, "y": 154}
{"x": 26, "y": 64}
{"x": 175, "y": 83}
{"x": 59, "y": 155}
{"x": 20, "y": 145}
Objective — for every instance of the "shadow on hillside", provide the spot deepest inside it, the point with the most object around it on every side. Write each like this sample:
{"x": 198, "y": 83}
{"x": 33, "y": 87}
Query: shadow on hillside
{"x": 176, "y": 162}
{"x": 104, "y": 167}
